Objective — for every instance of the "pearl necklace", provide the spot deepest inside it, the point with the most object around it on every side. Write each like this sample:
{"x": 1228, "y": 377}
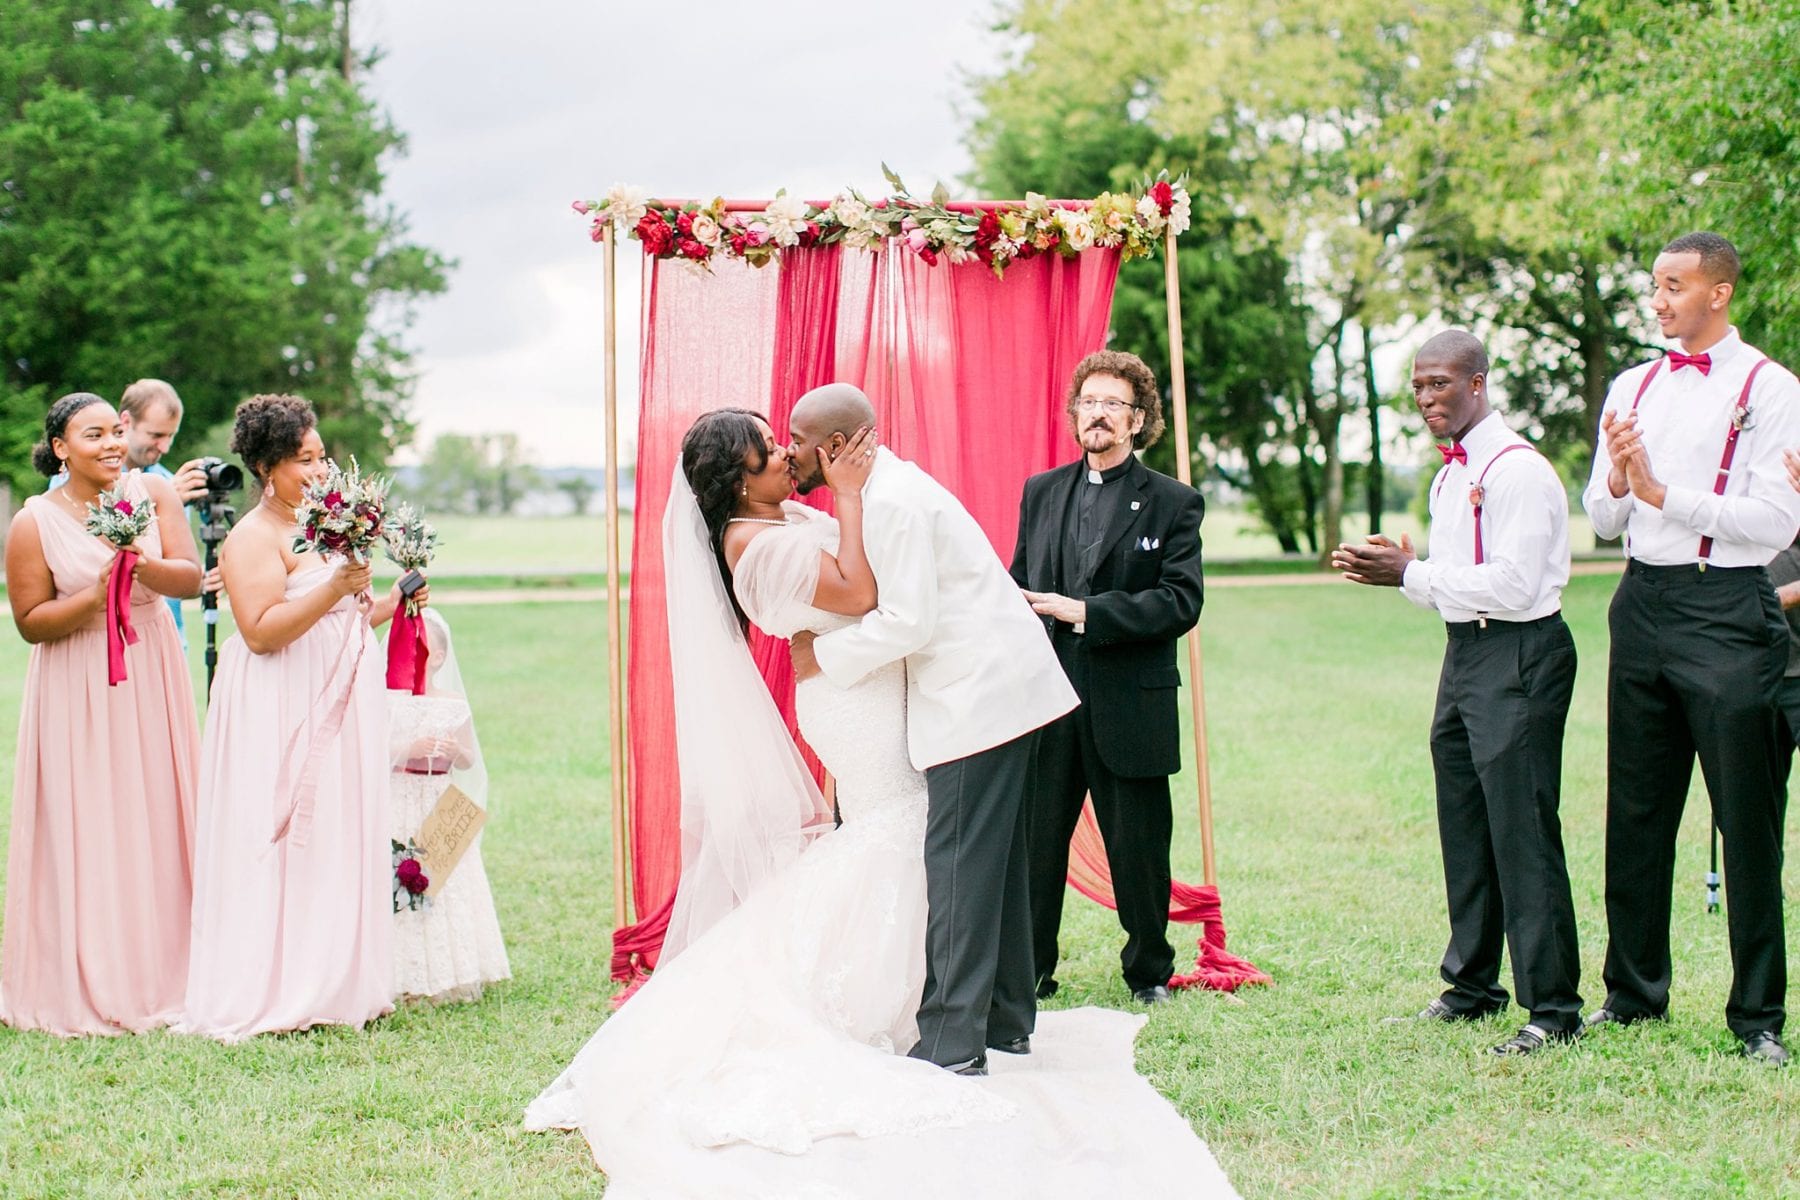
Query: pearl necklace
{"x": 758, "y": 520}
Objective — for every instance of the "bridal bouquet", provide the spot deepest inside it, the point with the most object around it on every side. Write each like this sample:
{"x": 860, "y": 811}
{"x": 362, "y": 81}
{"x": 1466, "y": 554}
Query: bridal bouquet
{"x": 340, "y": 515}
{"x": 118, "y": 520}
{"x": 122, "y": 522}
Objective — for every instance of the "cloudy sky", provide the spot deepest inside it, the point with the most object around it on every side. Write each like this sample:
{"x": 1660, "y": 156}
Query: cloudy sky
{"x": 513, "y": 110}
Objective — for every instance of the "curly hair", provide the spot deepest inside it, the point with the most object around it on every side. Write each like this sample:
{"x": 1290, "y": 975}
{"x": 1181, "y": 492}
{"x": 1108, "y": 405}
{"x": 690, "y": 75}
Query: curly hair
{"x": 269, "y": 429}
{"x": 56, "y": 423}
{"x": 716, "y": 452}
{"x": 1144, "y": 393}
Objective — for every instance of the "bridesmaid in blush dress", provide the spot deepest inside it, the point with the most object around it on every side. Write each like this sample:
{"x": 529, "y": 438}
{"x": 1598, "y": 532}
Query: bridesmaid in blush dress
{"x": 98, "y": 883}
{"x": 292, "y": 868}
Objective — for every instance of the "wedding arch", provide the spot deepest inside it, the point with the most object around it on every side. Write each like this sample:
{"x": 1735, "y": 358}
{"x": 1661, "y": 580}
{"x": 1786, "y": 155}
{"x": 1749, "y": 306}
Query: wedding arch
{"x": 963, "y": 322}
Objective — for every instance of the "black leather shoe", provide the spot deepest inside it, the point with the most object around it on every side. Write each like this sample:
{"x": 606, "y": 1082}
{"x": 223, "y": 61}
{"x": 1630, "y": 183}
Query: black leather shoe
{"x": 1152, "y": 995}
{"x": 1766, "y": 1048}
{"x": 1046, "y": 987}
{"x": 974, "y": 1066}
{"x": 1531, "y": 1039}
{"x": 1606, "y": 1016}
{"x": 1019, "y": 1045}
{"x": 1437, "y": 1010}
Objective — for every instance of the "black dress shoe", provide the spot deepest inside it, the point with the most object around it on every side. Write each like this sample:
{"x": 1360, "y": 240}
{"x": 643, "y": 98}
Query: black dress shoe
{"x": 1152, "y": 995}
{"x": 1606, "y": 1016}
{"x": 1019, "y": 1045}
{"x": 1533, "y": 1038}
{"x": 1766, "y": 1048}
{"x": 974, "y": 1066}
{"x": 1437, "y": 1010}
{"x": 1046, "y": 987}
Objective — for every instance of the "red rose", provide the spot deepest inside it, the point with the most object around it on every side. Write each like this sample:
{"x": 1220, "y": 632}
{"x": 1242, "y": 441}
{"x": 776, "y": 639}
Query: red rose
{"x": 334, "y": 500}
{"x": 739, "y": 242}
{"x": 123, "y": 506}
{"x": 1164, "y": 195}
{"x": 412, "y": 877}
{"x": 685, "y": 222}
{"x": 687, "y": 247}
{"x": 929, "y": 255}
{"x": 809, "y": 236}
{"x": 656, "y": 235}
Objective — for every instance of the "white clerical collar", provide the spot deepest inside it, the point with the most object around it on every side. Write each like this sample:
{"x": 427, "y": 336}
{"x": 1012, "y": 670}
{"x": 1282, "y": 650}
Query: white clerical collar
{"x": 1490, "y": 433}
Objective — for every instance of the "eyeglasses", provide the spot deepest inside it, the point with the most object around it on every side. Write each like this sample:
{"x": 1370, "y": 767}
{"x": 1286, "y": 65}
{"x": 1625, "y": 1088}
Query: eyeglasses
{"x": 1112, "y": 406}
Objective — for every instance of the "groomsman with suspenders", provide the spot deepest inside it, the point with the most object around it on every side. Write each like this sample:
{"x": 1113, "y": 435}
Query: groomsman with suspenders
{"x": 1499, "y": 557}
{"x": 1689, "y": 469}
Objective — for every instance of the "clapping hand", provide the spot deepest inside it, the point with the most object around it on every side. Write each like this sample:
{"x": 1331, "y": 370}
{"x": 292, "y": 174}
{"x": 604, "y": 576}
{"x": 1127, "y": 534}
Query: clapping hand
{"x": 1631, "y": 470}
{"x": 1379, "y": 562}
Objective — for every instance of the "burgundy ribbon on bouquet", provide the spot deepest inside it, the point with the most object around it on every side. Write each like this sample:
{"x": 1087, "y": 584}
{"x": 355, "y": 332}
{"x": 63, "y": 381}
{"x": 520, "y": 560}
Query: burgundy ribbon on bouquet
{"x": 407, "y": 653}
{"x": 119, "y": 633}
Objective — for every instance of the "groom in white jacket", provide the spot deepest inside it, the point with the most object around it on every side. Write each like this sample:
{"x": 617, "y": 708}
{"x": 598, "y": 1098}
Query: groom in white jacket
{"x": 981, "y": 678}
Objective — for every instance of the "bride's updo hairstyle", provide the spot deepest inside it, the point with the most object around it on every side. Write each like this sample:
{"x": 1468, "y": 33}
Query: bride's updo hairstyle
{"x": 714, "y": 454}
{"x": 269, "y": 429}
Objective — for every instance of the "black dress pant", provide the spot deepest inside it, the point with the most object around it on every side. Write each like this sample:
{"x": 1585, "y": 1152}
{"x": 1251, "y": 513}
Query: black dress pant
{"x": 1136, "y": 822}
{"x": 1697, "y": 657}
{"x": 978, "y": 985}
{"x": 1496, "y": 750}
{"x": 1787, "y": 709}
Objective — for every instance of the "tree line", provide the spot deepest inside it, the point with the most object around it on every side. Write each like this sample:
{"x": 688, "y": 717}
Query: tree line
{"x": 1360, "y": 166}
{"x": 192, "y": 192}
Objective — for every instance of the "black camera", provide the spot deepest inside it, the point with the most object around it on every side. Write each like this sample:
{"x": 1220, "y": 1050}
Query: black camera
{"x": 222, "y": 478}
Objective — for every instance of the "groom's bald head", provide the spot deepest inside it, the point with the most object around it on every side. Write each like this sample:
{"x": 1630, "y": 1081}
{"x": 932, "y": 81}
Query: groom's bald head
{"x": 824, "y": 418}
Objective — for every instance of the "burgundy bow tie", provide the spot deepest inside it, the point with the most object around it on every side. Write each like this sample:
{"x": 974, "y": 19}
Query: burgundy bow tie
{"x": 1454, "y": 453}
{"x": 1700, "y": 362}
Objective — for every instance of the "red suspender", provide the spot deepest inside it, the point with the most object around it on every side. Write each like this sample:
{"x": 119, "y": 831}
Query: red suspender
{"x": 1739, "y": 417}
{"x": 1645, "y": 386}
{"x": 1477, "y": 494}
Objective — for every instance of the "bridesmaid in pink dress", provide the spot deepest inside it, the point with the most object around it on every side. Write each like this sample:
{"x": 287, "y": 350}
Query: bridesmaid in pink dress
{"x": 292, "y": 870}
{"x": 98, "y": 883}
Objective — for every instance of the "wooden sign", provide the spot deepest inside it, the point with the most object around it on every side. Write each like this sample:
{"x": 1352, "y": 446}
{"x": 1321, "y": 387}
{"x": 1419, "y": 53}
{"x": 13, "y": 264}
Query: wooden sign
{"x": 447, "y": 834}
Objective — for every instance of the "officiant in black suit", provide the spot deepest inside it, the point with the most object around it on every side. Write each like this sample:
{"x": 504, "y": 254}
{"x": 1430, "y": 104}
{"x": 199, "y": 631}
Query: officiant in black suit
{"x": 1109, "y": 556}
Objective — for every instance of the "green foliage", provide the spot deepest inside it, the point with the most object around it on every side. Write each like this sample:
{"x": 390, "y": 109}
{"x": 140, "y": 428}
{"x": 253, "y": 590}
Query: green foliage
{"x": 192, "y": 192}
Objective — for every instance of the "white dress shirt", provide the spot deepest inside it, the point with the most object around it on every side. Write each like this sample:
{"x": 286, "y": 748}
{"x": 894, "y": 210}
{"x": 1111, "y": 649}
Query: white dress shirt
{"x": 1524, "y": 534}
{"x": 979, "y": 670}
{"x": 1685, "y": 417}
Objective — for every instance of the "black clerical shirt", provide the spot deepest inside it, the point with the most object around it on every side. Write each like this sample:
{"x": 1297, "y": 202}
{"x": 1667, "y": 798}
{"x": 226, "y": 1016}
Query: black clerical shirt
{"x": 1091, "y": 513}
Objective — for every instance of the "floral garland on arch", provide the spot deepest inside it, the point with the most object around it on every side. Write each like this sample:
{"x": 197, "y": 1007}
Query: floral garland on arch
{"x": 1134, "y": 224}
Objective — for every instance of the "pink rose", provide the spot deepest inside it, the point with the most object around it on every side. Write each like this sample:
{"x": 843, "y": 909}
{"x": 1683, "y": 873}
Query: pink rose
{"x": 581, "y": 207}
{"x": 598, "y": 232}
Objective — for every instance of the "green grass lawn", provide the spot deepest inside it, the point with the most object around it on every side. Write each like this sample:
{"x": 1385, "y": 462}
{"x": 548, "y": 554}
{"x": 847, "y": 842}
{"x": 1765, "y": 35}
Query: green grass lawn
{"x": 1318, "y": 699}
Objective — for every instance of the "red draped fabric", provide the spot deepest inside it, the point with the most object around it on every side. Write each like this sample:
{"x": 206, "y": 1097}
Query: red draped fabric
{"x": 967, "y": 375}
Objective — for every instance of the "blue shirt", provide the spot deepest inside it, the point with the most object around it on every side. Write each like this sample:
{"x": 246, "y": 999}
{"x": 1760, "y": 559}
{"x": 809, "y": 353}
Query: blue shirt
{"x": 62, "y": 477}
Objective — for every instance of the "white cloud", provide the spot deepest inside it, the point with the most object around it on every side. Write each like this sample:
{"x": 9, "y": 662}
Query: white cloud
{"x": 513, "y": 111}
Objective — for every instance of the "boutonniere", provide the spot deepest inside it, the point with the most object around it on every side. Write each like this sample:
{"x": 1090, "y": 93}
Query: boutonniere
{"x": 1476, "y": 495}
{"x": 1740, "y": 418}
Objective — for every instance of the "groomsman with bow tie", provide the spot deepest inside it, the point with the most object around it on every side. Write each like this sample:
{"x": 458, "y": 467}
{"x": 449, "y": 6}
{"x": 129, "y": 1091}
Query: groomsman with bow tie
{"x": 1689, "y": 469}
{"x": 1109, "y": 556}
{"x": 1498, "y": 559}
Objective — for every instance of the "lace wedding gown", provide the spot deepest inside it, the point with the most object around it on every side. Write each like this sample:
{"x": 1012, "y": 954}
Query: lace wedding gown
{"x": 767, "y": 1060}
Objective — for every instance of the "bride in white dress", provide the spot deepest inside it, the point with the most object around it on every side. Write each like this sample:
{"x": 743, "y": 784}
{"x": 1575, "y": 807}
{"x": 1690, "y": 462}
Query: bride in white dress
{"x": 766, "y": 1057}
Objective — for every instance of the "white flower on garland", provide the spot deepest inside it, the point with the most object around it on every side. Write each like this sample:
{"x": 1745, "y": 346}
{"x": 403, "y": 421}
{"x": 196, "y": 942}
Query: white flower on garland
{"x": 850, "y": 212}
{"x": 1151, "y": 215}
{"x": 705, "y": 230}
{"x": 1077, "y": 227}
{"x": 626, "y": 204}
{"x": 1181, "y": 215}
{"x": 784, "y": 219}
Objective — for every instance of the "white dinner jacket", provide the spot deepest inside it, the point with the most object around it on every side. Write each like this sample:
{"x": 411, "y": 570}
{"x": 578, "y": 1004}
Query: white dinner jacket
{"x": 979, "y": 670}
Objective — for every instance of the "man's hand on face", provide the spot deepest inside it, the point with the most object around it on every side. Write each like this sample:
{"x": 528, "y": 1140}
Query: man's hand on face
{"x": 190, "y": 481}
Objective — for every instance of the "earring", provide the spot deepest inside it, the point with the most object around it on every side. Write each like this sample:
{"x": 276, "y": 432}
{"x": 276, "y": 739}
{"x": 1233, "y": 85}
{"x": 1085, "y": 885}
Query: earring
{"x": 743, "y": 489}
{"x": 268, "y": 489}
